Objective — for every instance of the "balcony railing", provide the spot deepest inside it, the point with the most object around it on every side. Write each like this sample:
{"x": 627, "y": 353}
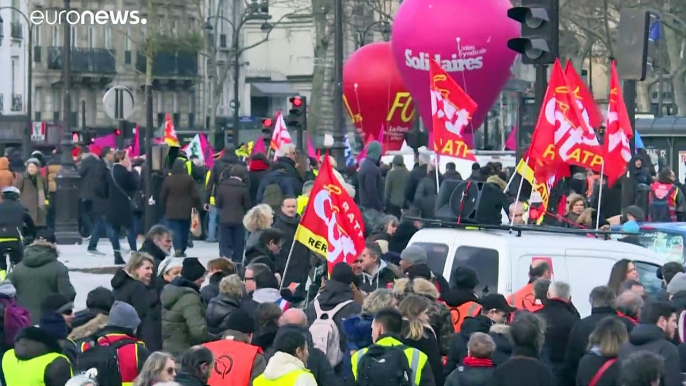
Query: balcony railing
{"x": 170, "y": 64}
{"x": 16, "y": 30}
{"x": 16, "y": 102}
{"x": 84, "y": 60}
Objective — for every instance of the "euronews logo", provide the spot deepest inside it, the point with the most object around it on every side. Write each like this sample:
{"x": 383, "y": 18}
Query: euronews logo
{"x": 73, "y": 17}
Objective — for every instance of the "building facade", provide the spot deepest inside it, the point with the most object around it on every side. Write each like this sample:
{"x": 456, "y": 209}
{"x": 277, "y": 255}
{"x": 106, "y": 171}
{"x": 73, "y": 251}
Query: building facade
{"x": 103, "y": 56}
{"x": 13, "y": 58}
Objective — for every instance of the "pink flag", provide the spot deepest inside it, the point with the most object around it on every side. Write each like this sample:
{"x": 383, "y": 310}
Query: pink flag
{"x": 511, "y": 143}
{"x": 363, "y": 153}
{"x": 311, "y": 152}
{"x": 207, "y": 150}
{"x": 259, "y": 147}
{"x": 382, "y": 135}
{"x": 136, "y": 147}
{"x": 109, "y": 140}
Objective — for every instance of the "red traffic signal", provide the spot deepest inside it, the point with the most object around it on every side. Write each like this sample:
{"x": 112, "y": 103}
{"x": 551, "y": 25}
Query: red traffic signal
{"x": 267, "y": 122}
{"x": 117, "y": 132}
{"x": 296, "y": 101}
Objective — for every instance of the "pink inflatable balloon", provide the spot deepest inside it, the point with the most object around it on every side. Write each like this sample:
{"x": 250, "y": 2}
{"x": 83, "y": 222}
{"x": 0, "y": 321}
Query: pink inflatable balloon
{"x": 469, "y": 39}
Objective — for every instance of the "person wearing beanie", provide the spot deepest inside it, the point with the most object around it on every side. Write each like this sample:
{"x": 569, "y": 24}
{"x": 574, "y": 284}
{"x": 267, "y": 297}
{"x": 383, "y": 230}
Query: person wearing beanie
{"x": 396, "y": 184}
{"x": 236, "y": 338}
{"x": 461, "y": 297}
{"x": 57, "y": 303}
{"x": 34, "y": 192}
{"x": 121, "y": 333}
{"x": 95, "y": 316}
{"x": 677, "y": 291}
{"x": 183, "y": 311}
{"x": 337, "y": 294}
{"x": 37, "y": 357}
{"x": 370, "y": 181}
{"x": 414, "y": 255}
{"x": 635, "y": 213}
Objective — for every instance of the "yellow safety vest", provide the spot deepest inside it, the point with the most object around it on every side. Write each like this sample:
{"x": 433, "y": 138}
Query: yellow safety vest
{"x": 207, "y": 182}
{"x": 27, "y": 372}
{"x": 415, "y": 358}
{"x": 287, "y": 379}
{"x": 302, "y": 203}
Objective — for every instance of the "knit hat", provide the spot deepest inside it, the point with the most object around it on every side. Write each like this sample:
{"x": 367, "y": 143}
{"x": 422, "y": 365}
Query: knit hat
{"x": 34, "y": 161}
{"x": 465, "y": 278}
{"x": 240, "y": 321}
{"x": 192, "y": 269}
{"x": 100, "y": 299}
{"x": 342, "y": 272}
{"x": 398, "y": 160}
{"x": 56, "y": 303}
{"x": 414, "y": 255}
{"x": 374, "y": 150}
{"x": 636, "y": 212}
{"x": 419, "y": 270}
{"x": 123, "y": 315}
{"x": 631, "y": 227}
{"x": 53, "y": 324}
{"x": 169, "y": 263}
{"x": 677, "y": 284}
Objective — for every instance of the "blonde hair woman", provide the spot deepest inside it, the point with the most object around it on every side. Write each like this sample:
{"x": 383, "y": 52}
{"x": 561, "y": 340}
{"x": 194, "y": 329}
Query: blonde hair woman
{"x": 223, "y": 305}
{"x": 131, "y": 285}
{"x": 418, "y": 334}
{"x": 159, "y": 367}
{"x": 257, "y": 219}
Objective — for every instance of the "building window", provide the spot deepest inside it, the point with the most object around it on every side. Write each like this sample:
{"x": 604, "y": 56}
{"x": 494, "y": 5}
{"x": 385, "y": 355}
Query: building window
{"x": 90, "y": 37}
{"x": 56, "y": 102}
{"x": 56, "y": 36}
{"x": 108, "y": 38}
{"x": 15, "y": 68}
{"x": 175, "y": 99}
{"x": 191, "y": 102}
{"x": 160, "y": 102}
{"x": 127, "y": 44}
{"x": 73, "y": 36}
{"x": 38, "y": 99}
{"x": 175, "y": 25}
{"x": 36, "y": 35}
{"x": 15, "y": 15}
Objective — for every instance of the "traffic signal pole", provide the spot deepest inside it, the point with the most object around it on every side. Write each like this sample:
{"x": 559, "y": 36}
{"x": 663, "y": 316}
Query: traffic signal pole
{"x": 338, "y": 148}
{"x": 541, "y": 84}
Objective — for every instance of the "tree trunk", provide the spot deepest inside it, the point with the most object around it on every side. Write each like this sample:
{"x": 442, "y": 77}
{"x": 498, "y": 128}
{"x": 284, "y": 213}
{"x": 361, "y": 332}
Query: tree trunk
{"x": 321, "y": 49}
{"x": 673, "y": 46}
{"x": 643, "y": 96}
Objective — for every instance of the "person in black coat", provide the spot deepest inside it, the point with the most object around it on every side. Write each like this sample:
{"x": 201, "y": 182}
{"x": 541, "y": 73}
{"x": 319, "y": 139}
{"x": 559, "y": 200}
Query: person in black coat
{"x": 128, "y": 288}
{"x": 258, "y": 167}
{"x": 228, "y": 159}
{"x": 524, "y": 366}
{"x": 478, "y": 368}
{"x": 654, "y": 334}
{"x": 420, "y": 335}
{"x": 560, "y": 317}
{"x": 420, "y": 170}
{"x": 220, "y": 307}
{"x": 295, "y": 320}
{"x": 371, "y": 191}
{"x": 122, "y": 184}
{"x": 602, "y": 302}
{"x": 604, "y": 344}
{"x": 92, "y": 172}
{"x": 298, "y": 267}
{"x": 232, "y": 201}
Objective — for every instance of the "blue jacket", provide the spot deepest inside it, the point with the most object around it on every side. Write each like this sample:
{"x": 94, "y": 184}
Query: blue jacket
{"x": 279, "y": 177}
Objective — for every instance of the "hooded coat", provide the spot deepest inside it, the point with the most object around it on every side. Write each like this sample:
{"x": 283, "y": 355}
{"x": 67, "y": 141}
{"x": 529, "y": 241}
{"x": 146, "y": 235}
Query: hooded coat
{"x": 183, "y": 317}
{"x": 32, "y": 342}
{"x": 93, "y": 172}
{"x": 317, "y": 362}
{"x": 179, "y": 195}
{"x": 119, "y": 195}
{"x": 228, "y": 159}
{"x": 649, "y": 337}
{"x": 145, "y": 300}
{"x": 258, "y": 168}
{"x": 396, "y": 182}
{"x": 40, "y": 275}
{"x": 371, "y": 183}
{"x": 382, "y": 277}
{"x": 33, "y": 193}
{"x": 333, "y": 294}
{"x": 6, "y": 176}
{"x": 458, "y": 345}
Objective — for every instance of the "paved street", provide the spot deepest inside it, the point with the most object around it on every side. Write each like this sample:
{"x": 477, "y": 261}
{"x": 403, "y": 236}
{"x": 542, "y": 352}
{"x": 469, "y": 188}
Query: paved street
{"x": 79, "y": 263}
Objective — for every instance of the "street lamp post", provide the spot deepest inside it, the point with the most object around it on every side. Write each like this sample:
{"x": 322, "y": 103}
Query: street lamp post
{"x": 68, "y": 180}
{"x": 338, "y": 148}
{"x": 253, "y": 14}
{"x": 384, "y": 28}
{"x": 26, "y": 140}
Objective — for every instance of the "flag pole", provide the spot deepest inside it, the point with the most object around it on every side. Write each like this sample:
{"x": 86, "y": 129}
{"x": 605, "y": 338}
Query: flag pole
{"x": 285, "y": 268}
{"x": 600, "y": 195}
{"x": 507, "y": 187}
{"x": 438, "y": 184}
{"x": 519, "y": 192}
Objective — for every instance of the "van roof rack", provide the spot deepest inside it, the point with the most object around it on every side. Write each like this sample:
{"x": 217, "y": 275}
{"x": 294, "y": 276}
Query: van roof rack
{"x": 438, "y": 223}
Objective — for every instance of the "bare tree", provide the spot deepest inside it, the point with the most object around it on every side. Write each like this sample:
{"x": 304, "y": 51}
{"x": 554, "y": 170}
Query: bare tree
{"x": 322, "y": 12}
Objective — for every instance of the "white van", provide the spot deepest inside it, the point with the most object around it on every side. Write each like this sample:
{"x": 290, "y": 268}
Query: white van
{"x": 502, "y": 258}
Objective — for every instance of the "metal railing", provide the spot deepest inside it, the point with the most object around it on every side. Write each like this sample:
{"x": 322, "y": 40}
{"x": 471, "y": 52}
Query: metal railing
{"x": 17, "y": 102}
{"x": 85, "y": 60}
{"x": 170, "y": 64}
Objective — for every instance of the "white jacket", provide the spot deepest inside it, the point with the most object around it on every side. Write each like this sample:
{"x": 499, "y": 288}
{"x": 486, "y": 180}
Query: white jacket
{"x": 281, "y": 364}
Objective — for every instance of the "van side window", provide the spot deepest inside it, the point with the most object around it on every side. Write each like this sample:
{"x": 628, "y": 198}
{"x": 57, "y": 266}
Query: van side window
{"x": 482, "y": 260}
{"x": 648, "y": 276}
{"x": 436, "y": 254}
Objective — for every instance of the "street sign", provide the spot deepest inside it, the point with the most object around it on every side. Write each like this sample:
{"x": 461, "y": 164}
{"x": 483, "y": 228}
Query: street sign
{"x": 118, "y": 102}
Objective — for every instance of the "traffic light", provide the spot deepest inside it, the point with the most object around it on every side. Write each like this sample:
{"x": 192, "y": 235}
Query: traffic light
{"x": 267, "y": 130}
{"x": 117, "y": 132}
{"x": 540, "y": 31}
{"x": 297, "y": 115}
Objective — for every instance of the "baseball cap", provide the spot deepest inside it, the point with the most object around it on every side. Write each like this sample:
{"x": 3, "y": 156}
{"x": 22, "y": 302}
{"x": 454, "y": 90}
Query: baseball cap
{"x": 497, "y": 302}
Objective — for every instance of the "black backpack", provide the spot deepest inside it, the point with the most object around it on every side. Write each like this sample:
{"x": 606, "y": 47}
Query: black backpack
{"x": 104, "y": 359}
{"x": 384, "y": 365}
{"x": 659, "y": 207}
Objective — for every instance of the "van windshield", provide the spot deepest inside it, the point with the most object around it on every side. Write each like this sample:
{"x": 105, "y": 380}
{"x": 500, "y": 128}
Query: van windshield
{"x": 436, "y": 255}
{"x": 484, "y": 262}
{"x": 648, "y": 277}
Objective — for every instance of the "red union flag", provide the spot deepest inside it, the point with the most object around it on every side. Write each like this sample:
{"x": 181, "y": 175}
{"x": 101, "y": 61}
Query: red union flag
{"x": 451, "y": 111}
{"x": 561, "y": 135}
{"x": 332, "y": 224}
{"x": 618, "y": 132}
{"x": 589, "y": 110}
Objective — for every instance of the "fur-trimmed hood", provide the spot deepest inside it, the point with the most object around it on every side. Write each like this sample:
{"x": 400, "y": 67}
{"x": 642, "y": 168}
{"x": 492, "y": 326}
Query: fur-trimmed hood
{"x": 90, "y": 328}
{"x": 419, "y": 286}
{"x": 39, "y": 254}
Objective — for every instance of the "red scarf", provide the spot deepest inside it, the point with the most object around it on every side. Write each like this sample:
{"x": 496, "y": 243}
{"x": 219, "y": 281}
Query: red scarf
{"x": 634, "y": 321}
{"x": 477, "y": 362}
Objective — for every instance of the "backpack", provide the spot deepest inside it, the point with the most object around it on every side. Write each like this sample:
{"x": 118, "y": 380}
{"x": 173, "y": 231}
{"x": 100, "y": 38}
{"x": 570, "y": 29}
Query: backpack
{"x": 273, "y": 196}
{"x": 659, "y": 207}
{"x": 16, "y": 318}
{"x": 325, "y": 334}
{"x": 384, "y": 365}
{"x": 103, "y": 358}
